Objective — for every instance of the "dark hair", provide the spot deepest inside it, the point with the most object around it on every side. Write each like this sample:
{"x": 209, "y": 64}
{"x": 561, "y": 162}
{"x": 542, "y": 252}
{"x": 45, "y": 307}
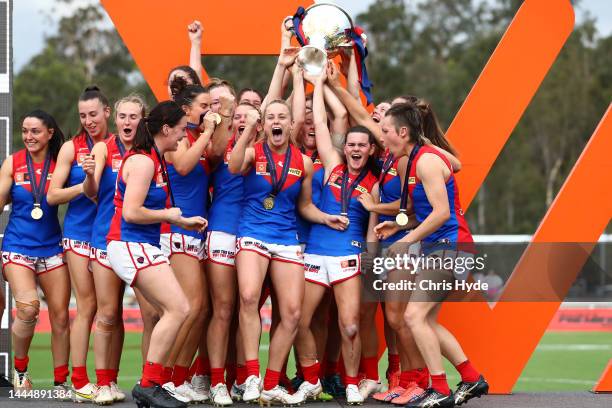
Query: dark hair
{"x": 245, "y": 90}
{"x": 57, "y": 139}
{"x": 164, "y": 113}
{"x": 189, "y": 71}
{"x": 218, "y": 83}
{"x": 431, "y": 126}
{"x": 92, "y": 92}
{"x": 371, "y": 163}
{"x": 407, "y": 115}
{"x": 183, "y": 93}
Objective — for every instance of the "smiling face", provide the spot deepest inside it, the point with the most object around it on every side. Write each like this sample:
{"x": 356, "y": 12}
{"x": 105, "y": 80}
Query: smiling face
{"x": 215, "y": 93}
{"x": 174, "y": 134}
{"x": 126, "y": 118}
{"x": 35, "y": 135}
{"x": 379, "y": 111}
{"x": 277, "y": 124}
{"x": 308, "y": 132}
{"x": 200, "y": 104}
{"x": 94, "y": 117}
{"x": 357, "y": 150}
{"x": 239, "y": 119}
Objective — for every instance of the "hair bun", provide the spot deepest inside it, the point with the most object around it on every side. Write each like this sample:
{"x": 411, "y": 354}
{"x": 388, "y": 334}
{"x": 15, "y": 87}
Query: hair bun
{"x": 92, "y": 88}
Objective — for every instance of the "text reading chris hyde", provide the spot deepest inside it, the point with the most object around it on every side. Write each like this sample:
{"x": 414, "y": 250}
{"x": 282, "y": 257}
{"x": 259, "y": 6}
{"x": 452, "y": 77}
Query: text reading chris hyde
{"x": 430, "y": 285}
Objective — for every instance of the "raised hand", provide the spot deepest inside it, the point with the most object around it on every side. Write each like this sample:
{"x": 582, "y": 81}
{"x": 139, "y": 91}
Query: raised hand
{"x": 288, "y": 56}
{"x": 89, "y": 165}
{"x": 195, "y": 31}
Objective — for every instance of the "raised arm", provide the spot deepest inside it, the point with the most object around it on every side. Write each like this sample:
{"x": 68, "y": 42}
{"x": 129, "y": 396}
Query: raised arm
{"x": 195, "y": 53}
{"x": 242, "y": 156}
{"x": 329, "y": 156}
{"x": 339, "y": 124}
{"x": 57, "y": 194}
{"x": 6, "y": 181}
{"x": 298, "y": 102}
{"x": 91, "y": 184}
{"x": 285, "y": 60}
{"x": 186, "y": 157}
{"x": 354, "y": 106}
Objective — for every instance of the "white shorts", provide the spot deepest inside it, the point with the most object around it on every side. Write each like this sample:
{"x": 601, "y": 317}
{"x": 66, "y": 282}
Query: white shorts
{"x": 100, "y": 256}
{"x": 331, "y": 270}
{"x": 129, "y": 258}
{"x": 274, "y": 252}
{"x": 221, "y": 248}
{"x": 81, "y": 248}
{"x": 38, "y": 265}
{"x": 174, "y": 243}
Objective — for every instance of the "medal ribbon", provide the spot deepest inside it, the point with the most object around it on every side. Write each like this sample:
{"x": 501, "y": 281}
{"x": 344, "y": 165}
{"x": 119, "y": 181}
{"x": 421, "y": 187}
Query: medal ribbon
{"x": 164, "y": 172}
{"x": 38, "y": 190}
{"x": 404, "y": 199}
{"x": 387, "y": 164}
{"x": 120, "y": 146}
{"x": 277, "y": 185}
{"x": 345, "y": 193}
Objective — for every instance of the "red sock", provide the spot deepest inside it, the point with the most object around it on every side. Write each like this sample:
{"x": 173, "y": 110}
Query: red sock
{"x": 468, "y": 372}
{"x": 351, "y": 380}
{"x": 193, "y": 368}
{"x": 370, "y": 367}
{"x": 60, "y": 374}
{"x": 439, "y": 383}
{"x": 216, "y": 376}
{"x": 114, "y": 375}
{"x": 406, "y": 377}
{"x": 166, "y": 375}
{"x": 394, "y": 363}
{"x": 152, "y": 374}
{"x": 331, "y": 368}
{"x": 252, "y": 368}
{"x": 103, "y": 376}
{"x": 179, "y": 375}
{"x": 271, "y": 379}
{"x": 311, "y": 373}
{"x": 423, "y": 378}
{"x": 230, "y": 373}
{"x": 79, "y": 377}
{"x": 205, "y": 366}
{"x": 241, "y": 373}
{"x": 21, "y": 364}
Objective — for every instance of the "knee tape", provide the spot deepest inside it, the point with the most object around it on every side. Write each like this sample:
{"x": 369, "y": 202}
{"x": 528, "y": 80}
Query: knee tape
{"x": 105, "y": 325}
{"x": 26, "y": 318}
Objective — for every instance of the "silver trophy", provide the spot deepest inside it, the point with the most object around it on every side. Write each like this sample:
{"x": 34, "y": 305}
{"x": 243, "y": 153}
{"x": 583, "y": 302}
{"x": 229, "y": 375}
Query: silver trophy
{"x": 325, "y": 27}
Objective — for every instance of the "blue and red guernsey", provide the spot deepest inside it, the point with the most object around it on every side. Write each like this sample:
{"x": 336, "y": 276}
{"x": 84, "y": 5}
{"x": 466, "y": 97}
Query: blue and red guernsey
{"x": 81, "y": 210}
{"x": 455, "y": 233}
{"x": 324, "y": 240}
{"x": 390, "y": 190}
{"x": 224, "y": 213}
{"x": 278, "y": 225}
{"x": 23, "y": 234}
{"x": 156, "y": 199}
{"x": 106, "y": 193}
{"x": 190, "y": 191}
{"x": 317, "y": 185}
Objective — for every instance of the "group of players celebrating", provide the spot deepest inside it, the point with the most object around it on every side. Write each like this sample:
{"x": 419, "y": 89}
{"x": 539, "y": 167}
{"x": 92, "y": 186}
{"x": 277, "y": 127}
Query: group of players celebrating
{"x": 211, "y": 202}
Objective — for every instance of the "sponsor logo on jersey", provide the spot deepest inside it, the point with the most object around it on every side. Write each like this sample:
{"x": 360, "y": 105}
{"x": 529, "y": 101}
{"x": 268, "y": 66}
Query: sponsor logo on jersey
{"x": 411, "y": 180}
{"x": 295, "y": 172}
{"x": 392, "y": 172}
{"x": 356, "y": 244}
{"x": 348, "y": 263}
{"x": 312, "y": 268}
{"x": 261, "y": 168}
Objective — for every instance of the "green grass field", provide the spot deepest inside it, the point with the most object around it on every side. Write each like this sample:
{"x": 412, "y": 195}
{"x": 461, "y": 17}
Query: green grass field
{"x": 562, "y": 362}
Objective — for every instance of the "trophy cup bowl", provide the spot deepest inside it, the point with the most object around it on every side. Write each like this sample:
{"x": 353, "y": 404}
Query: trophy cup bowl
{"x": 325, "y": 27}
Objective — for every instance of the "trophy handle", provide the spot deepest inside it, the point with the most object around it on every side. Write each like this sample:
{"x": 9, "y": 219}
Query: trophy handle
{"x": 313, "y": 59}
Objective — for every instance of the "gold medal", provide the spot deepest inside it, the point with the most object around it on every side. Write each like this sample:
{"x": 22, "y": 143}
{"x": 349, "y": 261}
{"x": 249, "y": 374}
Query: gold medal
{"x": 216, "y": 117}
{"x": 268, "y": 202}
{"x": 401, "y": 219}
{"x": 37, "y": 212}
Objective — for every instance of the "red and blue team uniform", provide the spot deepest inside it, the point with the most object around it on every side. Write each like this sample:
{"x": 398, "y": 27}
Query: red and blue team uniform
{"x": 23, "y": 234}
{"x": 156, "y": 199}
{"x": 328, "y": 241}
{"x": 318, "y": 175}
{"x": 81, "y": 210}
{"x": 228, "y": 191}
{"x": 190, "y": 191}
{"x": 278, "y": 225}
{"x": 390, "y": 189}
{"x": 106, "y": 193}
{"x": 454, "y": 234}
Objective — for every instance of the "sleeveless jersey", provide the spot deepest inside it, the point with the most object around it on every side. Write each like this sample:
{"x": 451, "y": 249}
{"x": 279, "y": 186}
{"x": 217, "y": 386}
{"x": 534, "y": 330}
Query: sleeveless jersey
{"x": 455, "y": 230}
{"x": 278, "y": 225}
{"x": 190, "y": 191}
{"x": 317, "y": 186}
{"x": 390, "y": 188}
{"x": 81, "y": 210}
{"x": 324, "y": 240}
{"x": 228, "y": 190}
{"x": 156, "y": 199}
{"x": 106, "y": 193}
{"x": 23, "y": 234}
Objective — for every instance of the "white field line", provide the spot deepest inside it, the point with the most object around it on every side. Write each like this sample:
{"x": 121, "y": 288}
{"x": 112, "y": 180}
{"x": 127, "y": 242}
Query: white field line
{"x": 574, "y": 347}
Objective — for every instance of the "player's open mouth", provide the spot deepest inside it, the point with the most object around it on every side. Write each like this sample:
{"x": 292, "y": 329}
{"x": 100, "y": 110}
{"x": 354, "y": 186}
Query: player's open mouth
{"x": 277, "y": 131}
{"x": 127, "y": 131}
{"x": 376, "y": 118}
{"x": 241, "y": 129}
{"x": 356, "y": 156}
{"x": 311, "y": 134}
